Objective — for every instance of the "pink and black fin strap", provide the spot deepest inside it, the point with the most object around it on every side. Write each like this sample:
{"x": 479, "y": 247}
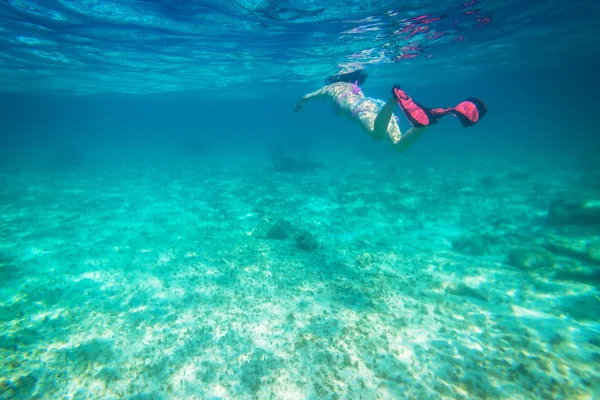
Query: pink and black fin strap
{"x": 468, "y": 112}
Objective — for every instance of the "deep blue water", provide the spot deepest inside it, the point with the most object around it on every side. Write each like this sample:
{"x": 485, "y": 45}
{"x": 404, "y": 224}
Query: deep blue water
{"x": 139, "y": 143}
{"x": 88, "y": 73}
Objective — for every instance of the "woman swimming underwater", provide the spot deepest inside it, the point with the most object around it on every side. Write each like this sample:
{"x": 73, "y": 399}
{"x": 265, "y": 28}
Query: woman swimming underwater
{"x": 375, "y": 116}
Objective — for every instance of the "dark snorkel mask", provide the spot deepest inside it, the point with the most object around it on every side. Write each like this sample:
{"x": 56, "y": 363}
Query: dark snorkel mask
{"x": 359, "y": 76}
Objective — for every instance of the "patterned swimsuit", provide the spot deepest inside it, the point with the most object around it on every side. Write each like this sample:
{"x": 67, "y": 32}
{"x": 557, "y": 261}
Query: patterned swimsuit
{"x": 358, "y": 108}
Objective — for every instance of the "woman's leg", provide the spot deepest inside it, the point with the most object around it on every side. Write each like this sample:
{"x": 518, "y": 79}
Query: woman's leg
{"x": 410, "y": 137}
{"x": 383, "y": 119}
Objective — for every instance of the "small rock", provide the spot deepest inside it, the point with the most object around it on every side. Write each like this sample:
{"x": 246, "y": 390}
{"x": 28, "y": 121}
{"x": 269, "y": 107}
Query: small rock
{"x": 489, "y": 181}
{"x": 573, "y": 247}
{"x": 279, "y": 231}
{"x": 273, "y": 229}
{"x": 581, "y": 307}
{"x": 466, "y": 291}
{"x": 364, "y": 260}
{"x": 588, "y": 277}
{"x": 306, "y": 241}
{"x": 593, "y": 251}
{"x": 574, "y": 212}
{"x": 557, "y": 340}
{"x": 22, "y": 388}
{"x": 530, "y": 259}
{"x": 469, "y": 244}
{"x": 500, "y": 222}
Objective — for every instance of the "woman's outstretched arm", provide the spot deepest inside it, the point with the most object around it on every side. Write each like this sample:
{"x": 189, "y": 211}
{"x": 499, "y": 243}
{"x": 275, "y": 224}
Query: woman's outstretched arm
{"x": 317, "y": 94}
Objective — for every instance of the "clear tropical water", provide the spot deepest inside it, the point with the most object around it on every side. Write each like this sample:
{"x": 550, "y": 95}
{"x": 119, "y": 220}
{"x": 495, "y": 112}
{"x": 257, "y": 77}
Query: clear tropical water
{"x": 169, "y": 229}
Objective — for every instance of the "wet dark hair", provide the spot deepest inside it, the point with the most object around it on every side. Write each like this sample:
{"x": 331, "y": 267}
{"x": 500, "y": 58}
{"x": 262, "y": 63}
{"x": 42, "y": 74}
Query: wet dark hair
{"x": 360, "y": 75}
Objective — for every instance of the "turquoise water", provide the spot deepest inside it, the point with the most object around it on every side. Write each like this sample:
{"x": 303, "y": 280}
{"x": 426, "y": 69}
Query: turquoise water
{"x": 170, "y": 229}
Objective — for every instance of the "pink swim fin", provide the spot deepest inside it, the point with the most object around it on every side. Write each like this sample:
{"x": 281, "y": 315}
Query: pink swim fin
{"x": 468, "y": 112}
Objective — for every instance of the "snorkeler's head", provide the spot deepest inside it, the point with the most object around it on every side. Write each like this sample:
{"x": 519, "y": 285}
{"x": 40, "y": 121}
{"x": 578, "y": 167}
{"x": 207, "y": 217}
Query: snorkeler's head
{"x": 359, "y": 76}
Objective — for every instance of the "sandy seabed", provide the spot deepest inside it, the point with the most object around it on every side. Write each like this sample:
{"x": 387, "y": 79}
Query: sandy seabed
{"x": 191, "y": 281}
